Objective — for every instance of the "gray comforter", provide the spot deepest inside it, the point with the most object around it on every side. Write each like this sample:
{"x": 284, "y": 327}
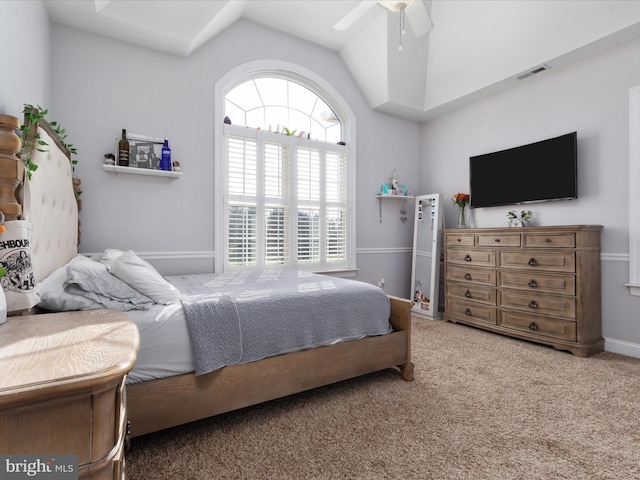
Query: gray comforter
{"x": 246, "y": 316}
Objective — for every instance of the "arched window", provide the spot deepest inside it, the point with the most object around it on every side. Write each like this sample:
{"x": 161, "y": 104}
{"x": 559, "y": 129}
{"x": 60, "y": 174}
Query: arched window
{"x": 287, "y": 175}
{"x": 276, "y": 104}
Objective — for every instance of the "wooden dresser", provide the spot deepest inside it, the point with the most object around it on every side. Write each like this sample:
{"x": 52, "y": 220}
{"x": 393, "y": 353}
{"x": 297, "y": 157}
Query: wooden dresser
{"x": 62, "y": 387}
{"x": 535, "y": 283}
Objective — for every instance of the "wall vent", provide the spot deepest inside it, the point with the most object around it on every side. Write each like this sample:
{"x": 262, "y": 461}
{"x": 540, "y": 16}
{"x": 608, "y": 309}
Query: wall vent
{"x": 535, "y": 71}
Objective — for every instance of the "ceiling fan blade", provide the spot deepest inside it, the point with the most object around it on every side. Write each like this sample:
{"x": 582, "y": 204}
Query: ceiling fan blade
{"x": 354, "y": 15}
{"x": 419, "y": 18}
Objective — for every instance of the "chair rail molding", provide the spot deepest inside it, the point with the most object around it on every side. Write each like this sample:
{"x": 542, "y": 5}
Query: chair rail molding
{"x": 634, "y": 192}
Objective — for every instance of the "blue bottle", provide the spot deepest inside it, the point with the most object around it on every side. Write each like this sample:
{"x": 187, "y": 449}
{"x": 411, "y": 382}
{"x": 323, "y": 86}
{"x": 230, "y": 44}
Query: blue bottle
{"x": 165, "y": 161}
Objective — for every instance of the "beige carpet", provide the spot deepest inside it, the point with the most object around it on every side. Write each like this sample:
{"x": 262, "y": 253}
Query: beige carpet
{"x": 482, "y": 406}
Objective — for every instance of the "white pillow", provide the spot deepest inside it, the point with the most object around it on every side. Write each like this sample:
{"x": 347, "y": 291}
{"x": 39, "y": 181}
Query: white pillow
{"x": 140, "y": 274}
{"x": 91, "y": 279}
{"x": 53, "y": 296}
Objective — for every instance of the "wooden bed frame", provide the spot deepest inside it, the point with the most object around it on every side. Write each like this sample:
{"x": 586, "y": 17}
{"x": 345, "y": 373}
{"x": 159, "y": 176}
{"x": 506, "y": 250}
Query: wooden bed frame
{"x": 159, "y": 404}
{"x": 168, "y": 402}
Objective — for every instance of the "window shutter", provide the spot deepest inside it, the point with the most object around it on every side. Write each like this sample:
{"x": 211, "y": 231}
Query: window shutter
{"x": 277, "y": 208}
{"x": 337, "y": 213}
{"x": 286, "y": 201}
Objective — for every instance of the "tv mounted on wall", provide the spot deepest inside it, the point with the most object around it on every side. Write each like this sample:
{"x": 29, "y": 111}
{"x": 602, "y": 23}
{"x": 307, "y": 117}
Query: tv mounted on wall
{"x": 538, "y": 172}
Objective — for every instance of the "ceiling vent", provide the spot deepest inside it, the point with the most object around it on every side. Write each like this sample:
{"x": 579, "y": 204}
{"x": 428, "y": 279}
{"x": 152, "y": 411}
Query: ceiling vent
{"x": 535, "y": 71}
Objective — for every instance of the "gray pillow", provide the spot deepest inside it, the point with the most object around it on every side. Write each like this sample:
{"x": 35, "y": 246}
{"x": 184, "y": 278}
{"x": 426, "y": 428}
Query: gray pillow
{"x": 91, "y": 279}
{"x": 53, "y": 296}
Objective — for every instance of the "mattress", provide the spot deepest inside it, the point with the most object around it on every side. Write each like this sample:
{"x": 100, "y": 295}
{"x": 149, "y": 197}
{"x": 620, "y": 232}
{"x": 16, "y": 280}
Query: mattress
{"x": 166, "y": 348}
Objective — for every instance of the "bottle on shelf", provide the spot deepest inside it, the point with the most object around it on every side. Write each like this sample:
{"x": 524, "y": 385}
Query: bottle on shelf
{"x": 165, "y": 160}
{"x": 123, "y": 150}
{"x": 394, "y": 184}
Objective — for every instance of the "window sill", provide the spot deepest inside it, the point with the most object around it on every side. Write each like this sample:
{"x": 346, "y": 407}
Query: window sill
{"x": 634, "y": 289}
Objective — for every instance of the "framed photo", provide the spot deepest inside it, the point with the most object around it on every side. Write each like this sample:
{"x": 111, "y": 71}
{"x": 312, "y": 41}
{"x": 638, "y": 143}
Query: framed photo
{"x": 145, "y": 152}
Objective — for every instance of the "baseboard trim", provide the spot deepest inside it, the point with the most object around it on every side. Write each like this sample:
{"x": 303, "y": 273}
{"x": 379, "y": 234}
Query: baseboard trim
{"x": 621, "y": 347}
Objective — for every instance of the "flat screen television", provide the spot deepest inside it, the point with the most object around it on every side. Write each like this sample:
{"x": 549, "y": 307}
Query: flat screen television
{"x": 538, "y": 172}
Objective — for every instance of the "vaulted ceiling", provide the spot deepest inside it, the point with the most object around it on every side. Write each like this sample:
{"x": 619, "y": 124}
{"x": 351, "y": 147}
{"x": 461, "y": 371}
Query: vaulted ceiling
{"x": 476, "y": 48}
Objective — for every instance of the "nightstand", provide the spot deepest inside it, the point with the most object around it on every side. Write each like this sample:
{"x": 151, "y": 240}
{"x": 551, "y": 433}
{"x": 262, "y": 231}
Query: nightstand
{"x": 62, "y": 387}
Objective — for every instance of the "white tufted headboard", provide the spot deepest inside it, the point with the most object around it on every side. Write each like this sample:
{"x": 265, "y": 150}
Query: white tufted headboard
{"x": 50, "y": 204}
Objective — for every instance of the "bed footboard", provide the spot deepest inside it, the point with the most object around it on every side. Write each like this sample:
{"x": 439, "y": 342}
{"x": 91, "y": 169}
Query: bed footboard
{"x": 172, "y": 401}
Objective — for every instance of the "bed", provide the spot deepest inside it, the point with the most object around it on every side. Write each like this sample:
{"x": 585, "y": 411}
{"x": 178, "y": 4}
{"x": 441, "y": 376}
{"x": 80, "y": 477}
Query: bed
{"x": 181, "y": 393}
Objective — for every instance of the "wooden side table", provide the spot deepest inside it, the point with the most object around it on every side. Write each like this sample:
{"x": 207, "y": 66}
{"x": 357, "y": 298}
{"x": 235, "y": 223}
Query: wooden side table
{"x": 62, "y": 387}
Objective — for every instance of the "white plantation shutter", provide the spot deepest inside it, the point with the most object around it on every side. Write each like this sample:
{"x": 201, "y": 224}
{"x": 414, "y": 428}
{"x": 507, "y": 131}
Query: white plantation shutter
{"x": 277, "y": 208}
{"x": 337, "y": 203}
{"x": 241, "y": 224}
{"x": 282, "y": 191}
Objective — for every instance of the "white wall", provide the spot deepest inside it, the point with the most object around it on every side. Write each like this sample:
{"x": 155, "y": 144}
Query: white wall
{"x": 592, "y": 98}
{"x": 101, "y": 85}
{"x": 25, "y": 73}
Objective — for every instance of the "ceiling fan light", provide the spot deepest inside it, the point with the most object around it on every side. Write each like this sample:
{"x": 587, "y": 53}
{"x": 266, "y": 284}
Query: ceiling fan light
{"x": 395, "y": 5}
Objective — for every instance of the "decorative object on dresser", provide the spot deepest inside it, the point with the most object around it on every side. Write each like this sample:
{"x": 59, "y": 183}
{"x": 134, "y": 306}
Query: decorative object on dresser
{"x": 536, "y": 283}
{"x": 461, "y": 200}
{"x": 523, "y": 221}
{"x": 62, "y": 389}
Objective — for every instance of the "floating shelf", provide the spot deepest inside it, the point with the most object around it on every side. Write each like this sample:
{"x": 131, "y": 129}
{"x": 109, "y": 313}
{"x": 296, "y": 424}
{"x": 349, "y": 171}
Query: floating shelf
{"x": 399, "y": 197}
{"x": 141, "y": 171}
{"x": 382, "y": 196}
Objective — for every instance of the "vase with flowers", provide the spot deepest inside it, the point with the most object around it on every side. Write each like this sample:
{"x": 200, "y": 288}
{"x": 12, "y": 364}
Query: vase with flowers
{"x": 461, "y": 200}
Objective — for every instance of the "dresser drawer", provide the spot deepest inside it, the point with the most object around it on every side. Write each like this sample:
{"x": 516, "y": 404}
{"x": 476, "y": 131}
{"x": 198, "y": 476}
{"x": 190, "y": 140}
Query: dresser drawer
{"x": 560, "y": 284}
{"x": 559, "y": 240}
{"x": 462, "y": 239}
{"x": 474, "y": 293}
{"x": 483, "y": 258}
{"x": 498, "y": 240}
{"x": 480, "y": 276}
{"x": 547, "y": 261}
{"x": 472, "y": 312}
{"x": 541, "y": 326}
{"x": 538, "y": 303}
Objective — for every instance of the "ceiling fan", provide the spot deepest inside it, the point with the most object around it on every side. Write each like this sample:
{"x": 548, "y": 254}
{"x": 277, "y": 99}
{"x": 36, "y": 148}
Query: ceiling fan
{"x": 415, "y": 11}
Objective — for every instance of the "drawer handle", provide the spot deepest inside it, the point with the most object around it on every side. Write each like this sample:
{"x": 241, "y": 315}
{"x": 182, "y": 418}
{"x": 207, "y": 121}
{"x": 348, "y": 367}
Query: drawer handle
{"x": 467, "y": 276}
{"x": 467, "y": 258}
{"x": 458, "y": 239}
{"x": 497, "y": 240}
{"x": 467, "y": 294}
{"x": 532, "y": 262}
{"x": 547, "y": 240}
{"x": 533, "y": 304}
{"x": 533, "y": 283}
{"x": 467, "y": 312}
{"x": 533, "y": 326}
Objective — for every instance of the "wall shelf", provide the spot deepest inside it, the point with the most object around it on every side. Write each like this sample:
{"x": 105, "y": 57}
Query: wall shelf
{"x": 141, "y": 171}
{"x": 398, "y": 197}
{"x": 382, "y": 196}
